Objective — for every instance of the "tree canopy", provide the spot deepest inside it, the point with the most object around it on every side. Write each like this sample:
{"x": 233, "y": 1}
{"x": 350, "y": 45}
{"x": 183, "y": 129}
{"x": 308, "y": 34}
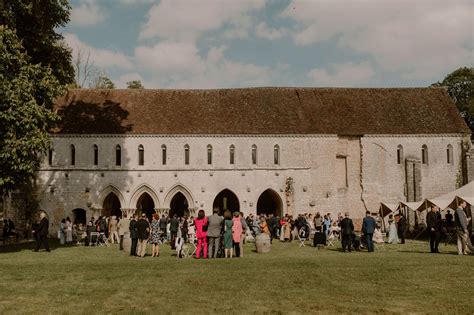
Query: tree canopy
{"x": 35, "y": 67}
{"x": 135, "y": 84}
{"x": 27, "y": 92}
{"x": 460, "y": 86}
{"x": 36, "y": 23}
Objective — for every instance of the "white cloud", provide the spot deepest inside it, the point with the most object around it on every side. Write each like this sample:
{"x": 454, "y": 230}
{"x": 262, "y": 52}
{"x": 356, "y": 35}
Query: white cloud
{"x": 263, "y": 31}
{"x": 87, "y": 13}
{"x": 180, "y": 65}
{"x": 102, "y": 58}
{"x": 187, "y": 19}
{"x": 239, "y": 27}
{"x": 419, "y": 40}
{"x": 171, "y": 59}
{"x": 342, "y": 75}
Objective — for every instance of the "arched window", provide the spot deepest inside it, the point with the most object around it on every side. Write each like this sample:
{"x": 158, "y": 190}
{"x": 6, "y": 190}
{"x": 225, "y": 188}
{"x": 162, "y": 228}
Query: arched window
{"x": 449, "y": 154}
{"x": 118, "y": 155}
{"x": 276, "y": 154}
{"x": 73, "y": 155}
{"x": 186, "y": 154}
{"x": 209, "y": 154}
{"x": 254, "y": 154}
{"x": 399, "y": 154}
{"x": 141, "y": 155}
{"x": 163, "y": 154}
{"x": 424, "y": 154}
{"x": 96, "y": 154}
{"x": 50, "y": 157}
{"x": 232, "y": 154}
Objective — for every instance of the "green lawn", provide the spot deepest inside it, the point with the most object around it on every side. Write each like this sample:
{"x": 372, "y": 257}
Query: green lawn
{"x": 402, "y": 279}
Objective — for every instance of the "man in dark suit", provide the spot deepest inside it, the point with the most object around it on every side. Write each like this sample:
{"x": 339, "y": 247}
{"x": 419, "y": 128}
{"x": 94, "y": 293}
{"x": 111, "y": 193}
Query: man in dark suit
{"x": 143, "y": 232}
{"x": 41, "y": 233}
{"x": 133, "y": 235}
{"x": 214, "y": 232}
{"x": 402, "y": 226}
{"x": 347, "y": 229}
{"x": 174, "y": 225}
{"x": 433, "y": 225}
{"x": 368, "y": 228}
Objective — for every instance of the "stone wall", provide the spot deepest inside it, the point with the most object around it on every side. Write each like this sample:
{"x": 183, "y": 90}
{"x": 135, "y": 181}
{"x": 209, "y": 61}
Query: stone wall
{"x": 331, "y": 173}
{"x": 470, "y": 164}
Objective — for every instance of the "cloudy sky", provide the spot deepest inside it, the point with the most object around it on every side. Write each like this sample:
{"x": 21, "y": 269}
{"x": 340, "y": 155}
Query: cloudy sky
{"x": 241, "y": 43}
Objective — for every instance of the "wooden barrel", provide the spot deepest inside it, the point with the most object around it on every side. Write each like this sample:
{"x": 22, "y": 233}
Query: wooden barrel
{"x": 262, "y": 242}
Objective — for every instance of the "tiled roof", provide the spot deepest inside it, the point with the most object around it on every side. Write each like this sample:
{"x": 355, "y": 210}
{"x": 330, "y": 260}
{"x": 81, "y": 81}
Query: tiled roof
{"x": 344, "y": 111}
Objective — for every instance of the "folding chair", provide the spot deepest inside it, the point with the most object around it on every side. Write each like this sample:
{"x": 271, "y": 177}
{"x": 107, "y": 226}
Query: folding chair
{"x": 103, "y": 240}
{"x": 331, "y": 239}
{"x": 303, "y": 234}
{"x": 189, "y": 249}
{"x": 302, "y": 240}
{"x": 94, "y": 236}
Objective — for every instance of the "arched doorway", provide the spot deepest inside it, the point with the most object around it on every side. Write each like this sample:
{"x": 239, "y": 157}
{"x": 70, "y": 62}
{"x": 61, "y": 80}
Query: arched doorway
{"x": 269, "y": 202}
{"x": 79, "y": 216}
{"x": 146, "y": 205}
{"x": 226, "y": 200}
{"x": 111, "y": 206}
{"x": 179, "y": 205}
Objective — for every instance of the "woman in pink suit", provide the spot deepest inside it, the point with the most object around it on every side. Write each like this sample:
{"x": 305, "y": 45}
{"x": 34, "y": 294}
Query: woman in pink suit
{"x": 236, "y": 233}
{"x": 201, "y": 233}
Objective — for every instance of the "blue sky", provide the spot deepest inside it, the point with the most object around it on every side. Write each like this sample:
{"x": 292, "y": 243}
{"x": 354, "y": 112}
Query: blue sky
{"x": 224, "y": 43}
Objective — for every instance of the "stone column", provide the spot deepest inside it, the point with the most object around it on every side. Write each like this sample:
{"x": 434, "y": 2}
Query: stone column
{"x": 129, "y": 211}
{"x": 193, "y": 211}
{"x": 163, "y": 211}
{"x": 94, "y": 212}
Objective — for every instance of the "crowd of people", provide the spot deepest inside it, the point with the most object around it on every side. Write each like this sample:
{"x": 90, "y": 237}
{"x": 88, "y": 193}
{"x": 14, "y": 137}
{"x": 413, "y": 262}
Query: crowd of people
{"x": 224, "y": 235}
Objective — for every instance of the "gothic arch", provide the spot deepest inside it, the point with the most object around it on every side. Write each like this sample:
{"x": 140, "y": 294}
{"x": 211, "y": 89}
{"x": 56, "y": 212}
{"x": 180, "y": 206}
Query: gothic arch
{"x": 105, "y": 192}
{"x": 269, "y": 201}
{"x": 232, "y": 201}
{"x": 144, "y": 188}
{"x": 175, "y": 189}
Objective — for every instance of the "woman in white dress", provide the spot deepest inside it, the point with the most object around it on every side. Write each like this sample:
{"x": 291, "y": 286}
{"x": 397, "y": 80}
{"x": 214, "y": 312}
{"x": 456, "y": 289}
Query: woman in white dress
{"x": 392, "y": 232}
{"x": 68, "y": 231}
{"x": 62, "y": 232}
{"x": 378, "y": 236}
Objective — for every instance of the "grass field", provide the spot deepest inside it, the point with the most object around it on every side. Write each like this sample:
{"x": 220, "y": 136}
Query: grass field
{"x": 402, "y": 279}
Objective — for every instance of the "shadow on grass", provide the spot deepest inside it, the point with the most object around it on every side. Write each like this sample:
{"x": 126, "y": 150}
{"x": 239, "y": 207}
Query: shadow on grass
{"x": 30, "y": 245}
{"x": 408, "y": 251}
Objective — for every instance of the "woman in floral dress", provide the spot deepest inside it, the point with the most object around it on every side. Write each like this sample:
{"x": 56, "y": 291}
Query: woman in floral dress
{"x": 155, "y": 236}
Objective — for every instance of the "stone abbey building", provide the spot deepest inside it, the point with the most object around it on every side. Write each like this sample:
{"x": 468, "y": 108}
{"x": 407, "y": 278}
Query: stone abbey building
{"x": 256, "y": 150}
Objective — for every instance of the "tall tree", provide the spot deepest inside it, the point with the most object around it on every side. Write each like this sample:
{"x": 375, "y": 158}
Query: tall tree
{"x": 84, "y": 68}
{"x": 27, "y": 92}
{"x": 460, "y": 86}
{"x": 135, "y": 84}
{"x": 36, "y": 23}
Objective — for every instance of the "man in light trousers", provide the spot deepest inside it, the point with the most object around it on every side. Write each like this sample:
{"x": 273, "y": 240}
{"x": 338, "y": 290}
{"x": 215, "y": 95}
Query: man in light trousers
{"x": 214, "y": 233}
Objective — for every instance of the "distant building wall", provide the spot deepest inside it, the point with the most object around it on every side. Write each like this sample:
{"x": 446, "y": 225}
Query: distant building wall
{"x": 331, "y": 173}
